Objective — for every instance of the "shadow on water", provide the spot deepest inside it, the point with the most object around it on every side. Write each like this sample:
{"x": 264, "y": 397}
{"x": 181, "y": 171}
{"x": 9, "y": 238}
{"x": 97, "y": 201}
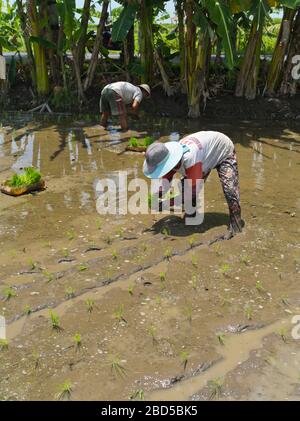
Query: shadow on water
{"x": 176, "y": 227}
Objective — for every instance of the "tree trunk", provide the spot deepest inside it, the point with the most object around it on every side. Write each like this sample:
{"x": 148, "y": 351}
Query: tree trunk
{"x": 180, "y": 15}
{"x": 248, "y": 75}
{"x": 277, "y": 63}
{"x": 97, "y": 45}
{"x": 42, "y": 80}
{"x": 25, "y": 34}
{"x": 52, "y": 34}
{"x": 146, "y": 22}
{"x": 197, "y": 61}
{"x": 83, "y": 37}
{"x": 289, "y": 84}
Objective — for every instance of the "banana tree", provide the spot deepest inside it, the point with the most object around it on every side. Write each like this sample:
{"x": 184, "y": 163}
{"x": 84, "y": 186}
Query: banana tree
{"x": 35, "y": 21}
{"x": 146, "y": 39}
{"x": 211, "y": 17}
{"x": 283, "y": 41}
{"x": 248, "y": 75}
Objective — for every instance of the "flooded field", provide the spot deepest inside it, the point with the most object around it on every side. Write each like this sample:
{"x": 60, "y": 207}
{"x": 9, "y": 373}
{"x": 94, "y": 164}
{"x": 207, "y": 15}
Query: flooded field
{"x": 142, "y": 306}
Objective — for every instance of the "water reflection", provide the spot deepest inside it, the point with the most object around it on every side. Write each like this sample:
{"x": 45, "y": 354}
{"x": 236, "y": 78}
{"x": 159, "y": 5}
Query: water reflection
{"x": 258, "y": 165}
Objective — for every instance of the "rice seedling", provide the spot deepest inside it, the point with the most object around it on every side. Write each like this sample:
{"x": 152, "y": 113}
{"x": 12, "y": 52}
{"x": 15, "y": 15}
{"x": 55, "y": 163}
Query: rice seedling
{"x": 191, "y": 241}
{"x": 114, "y": 254}
{"x": 69, "y": 292}
{"x": 77, "y": 341}
{"x": 168, "y": 253}
{"x": 259, "y": 286}
{"x": 48, "y": 275}
{"x": 98, "y": 224}
{"x": 116, "y": 367}
{"x": 55, "y": 321}
{"x": 221, "y": 337}
{"x": 215, "y": 387}
{"x": 152, "y": 333}
{"x": 27, "y": 309}
{"x": 65, "y": 252}
{"x": 120, "y": 232}
{"x": 194, "y": 282}
{"x": 225, "y": 268}
{"x": 70, "y": 235}
{"x": 285, "y": 301}
{"x": 188, "y": 312}
{"x": 81, "y": 268}
{"x": 30, "y": 176}
{"x": 249, "y": 312}
{"x": 144, "y": 247}
{"x": 3, "y": 344}
{"x": 107, "y": 240}
{"x": 245, "y": 259}
{"x": 9, "y": 293}
{"x": 118, "y": 314}
{"x": 89, "y": 306}
{"x": 158, "y": 300}
{"x": 32, "y": 264}
{"x": 162, "y": 276}
{"x": 138, "y": 394}
{"x": 184, "y": 357}
{"x": 217, "y": 249}
{"x": 283, "y": 334}
{"x": 166, "y": 232}
{"x": 65, "y": 391}
{"x": 130, "y": 289}
{"x": 194, "y": 261}
{"x": 36, "y": 359}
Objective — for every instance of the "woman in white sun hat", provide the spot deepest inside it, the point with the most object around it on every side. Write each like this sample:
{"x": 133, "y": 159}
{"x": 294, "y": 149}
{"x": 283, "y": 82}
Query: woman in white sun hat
{"x": 115, "y": 97}
{"x": 194, "y": 157}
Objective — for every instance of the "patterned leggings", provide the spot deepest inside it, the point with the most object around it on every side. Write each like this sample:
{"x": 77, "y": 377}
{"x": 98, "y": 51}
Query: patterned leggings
{"x": 229, "y": 177}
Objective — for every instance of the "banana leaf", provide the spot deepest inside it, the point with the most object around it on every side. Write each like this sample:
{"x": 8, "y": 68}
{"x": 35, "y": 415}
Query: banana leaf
{"x": 124, "y": 23}
{"x": 43, "y": 42}
{"x": 220, "y": 14}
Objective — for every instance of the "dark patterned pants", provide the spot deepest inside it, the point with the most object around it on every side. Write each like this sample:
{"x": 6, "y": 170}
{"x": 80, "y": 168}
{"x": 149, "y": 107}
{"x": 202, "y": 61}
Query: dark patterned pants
{"x": 229, "y": 177}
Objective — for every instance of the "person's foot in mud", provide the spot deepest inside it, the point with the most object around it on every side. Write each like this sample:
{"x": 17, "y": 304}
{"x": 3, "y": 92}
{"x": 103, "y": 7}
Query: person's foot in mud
{"x": 236, "y": 226}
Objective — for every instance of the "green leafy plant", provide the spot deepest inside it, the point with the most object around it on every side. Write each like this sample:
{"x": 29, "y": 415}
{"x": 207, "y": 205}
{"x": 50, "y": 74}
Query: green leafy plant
{"x": 221, "y": 337}
{"x": 138, "y": 394}
{"x": 162, "y": 276}
{"x": 55, "y": 321}
{"x": 166, "y": 231}
{"x": 70, "y": 235}
{"x": 77, "y": 340}
{"x": 81, "y": 268}
{"x": 215, "y": 387}
{"x": 168, "y": 253}
{"x": 107, "y": 240}
{"x": 36, "y": 359}
{"x": 283, "y": 334}
{"x": 191, "y": 241}
{"x": 65, "y": 391}
{"x": 249, "y": 312}
{"x": 89, "y": 305}
{"x": 70, "y": 292}
{"x": 114, "y": 254}
{"x": 145, "y": 142}
{"x": 245, "y": 259}
{"x": 9, "y": 293}
{"x": 194, "y": 261}
{"x": 225, "y": 268}
{"x": 259, "y": 286}
{"x": 152, "y": 333}
{"x": 184, "y": 356}
{"x": 118, "y": 314}
{"x": 48, "y": 275}
{"x": 194, "y": 282}
{"x": 116, "y": 367}
{"x": 98, "y": 224}
{"x": 130, "y": 289}
{"x": 30, "y": 176}
{"x": 27, "y": 309}
{"x": 65, "y": 252}
{"x": 3, "y": 344}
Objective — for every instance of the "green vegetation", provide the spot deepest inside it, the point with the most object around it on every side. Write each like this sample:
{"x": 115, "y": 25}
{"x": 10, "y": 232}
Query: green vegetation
{"x": 69, "y": 292}
{"x": 221, "y": 337}
{"x": 9, "y": 293}
{"x": 27, "y": 309}
{"x": 140, "y": 143}
{"x": 89, "y": 305}
{"x": 152, "y": 333}
{"x": 118, "y": 314}
{"x": 77, "y": 340}
{"x": 55, "y": 321}
{"x": 3, "y": 344}
{"x": 65, "y": 391}
{"x": 184, "y": 356}
{"x": 215, "y": 387}
{"x": 30, "y": 176}
{"x": 138, "y": 394}
{"x": 116, "y": 367}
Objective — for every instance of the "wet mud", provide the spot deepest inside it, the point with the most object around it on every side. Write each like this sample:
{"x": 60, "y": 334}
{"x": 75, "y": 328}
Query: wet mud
{"x": 163, "y": 310}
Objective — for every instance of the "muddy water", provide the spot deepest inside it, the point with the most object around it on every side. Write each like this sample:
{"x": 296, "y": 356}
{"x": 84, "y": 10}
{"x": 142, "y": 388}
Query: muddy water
{"x": 177, "y": 326}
